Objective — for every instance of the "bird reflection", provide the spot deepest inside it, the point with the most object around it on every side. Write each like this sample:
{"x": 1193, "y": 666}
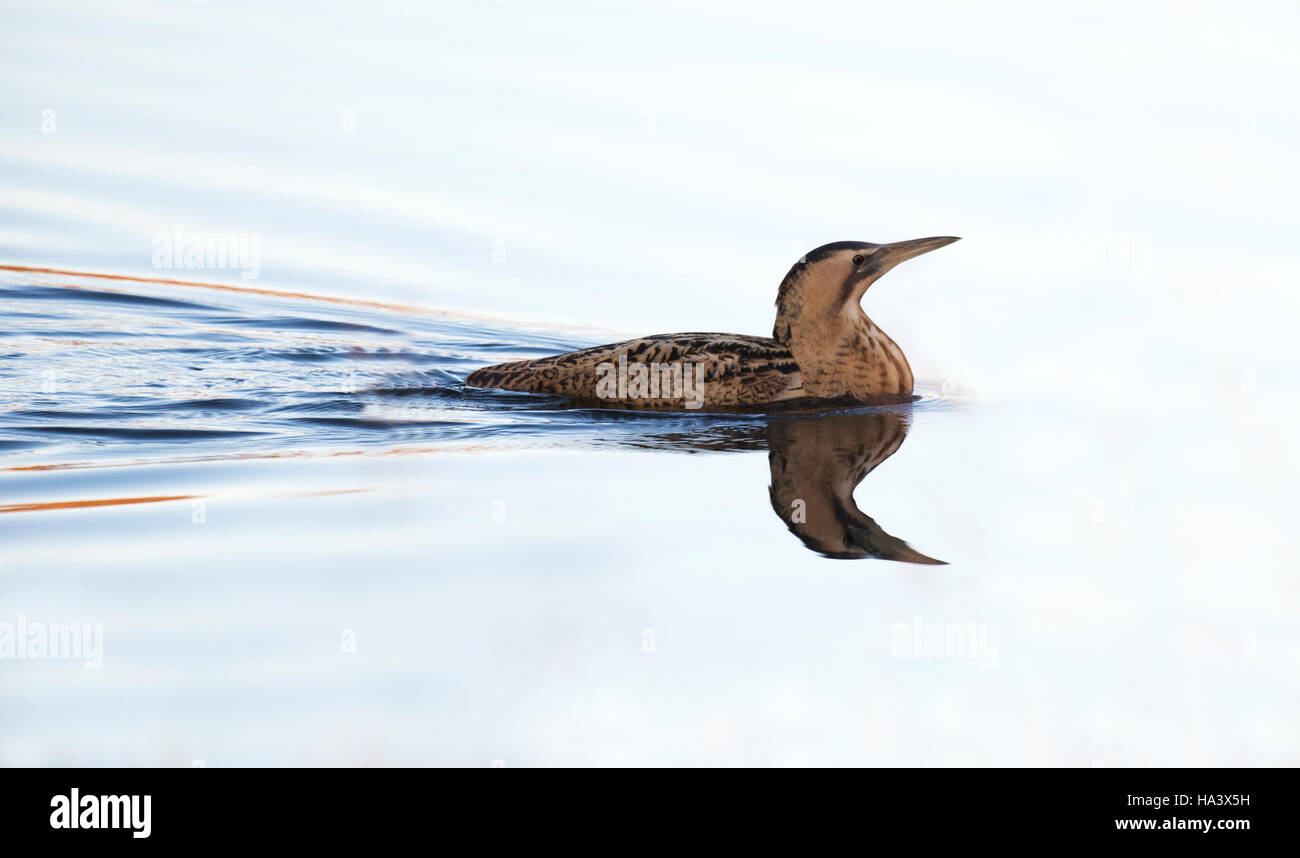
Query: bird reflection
{"x": 816, "y": 464}
{"x": 816, "y": 461}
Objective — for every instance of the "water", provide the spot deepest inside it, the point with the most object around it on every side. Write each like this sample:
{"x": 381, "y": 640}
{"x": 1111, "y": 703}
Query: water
{"x": 306, "y": 542}
{"x": 114, "y": 373}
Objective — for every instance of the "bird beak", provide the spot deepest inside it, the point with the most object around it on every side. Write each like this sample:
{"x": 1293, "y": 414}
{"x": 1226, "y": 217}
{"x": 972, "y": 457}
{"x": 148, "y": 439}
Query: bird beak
{"x": 901, "y": 251}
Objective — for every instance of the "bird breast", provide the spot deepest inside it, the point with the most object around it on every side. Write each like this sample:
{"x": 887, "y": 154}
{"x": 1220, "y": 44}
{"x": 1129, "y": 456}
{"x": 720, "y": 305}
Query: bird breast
{"x": 854, "y": 359}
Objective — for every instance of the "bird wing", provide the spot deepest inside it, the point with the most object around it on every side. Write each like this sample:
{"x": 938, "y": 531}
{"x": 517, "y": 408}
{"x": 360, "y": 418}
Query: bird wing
{"x": 737, "y": 370}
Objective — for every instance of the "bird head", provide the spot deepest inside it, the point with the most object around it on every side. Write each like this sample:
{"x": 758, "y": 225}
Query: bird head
{"x": 832, "y": 279}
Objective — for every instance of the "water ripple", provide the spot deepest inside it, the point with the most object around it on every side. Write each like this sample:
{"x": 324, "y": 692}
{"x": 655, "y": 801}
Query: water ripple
{"x": 144, "y": 372}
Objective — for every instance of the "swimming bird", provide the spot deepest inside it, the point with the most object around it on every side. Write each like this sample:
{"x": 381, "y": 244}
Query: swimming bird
{"x": 823, "y": 347}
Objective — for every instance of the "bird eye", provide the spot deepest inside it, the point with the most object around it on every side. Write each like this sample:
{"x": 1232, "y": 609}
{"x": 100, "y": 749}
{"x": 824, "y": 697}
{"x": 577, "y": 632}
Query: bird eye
{"x": 859, "y": 259}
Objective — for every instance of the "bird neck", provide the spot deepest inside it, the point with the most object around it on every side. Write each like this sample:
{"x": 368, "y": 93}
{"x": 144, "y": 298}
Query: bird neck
{"x": 844, "y": 354}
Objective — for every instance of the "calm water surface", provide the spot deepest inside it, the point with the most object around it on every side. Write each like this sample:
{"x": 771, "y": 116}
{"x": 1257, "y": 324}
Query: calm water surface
{"x": 306, "y": 542}
{"x": 244, "y": 488}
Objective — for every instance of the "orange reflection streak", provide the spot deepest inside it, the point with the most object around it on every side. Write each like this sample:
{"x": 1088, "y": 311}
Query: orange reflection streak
{"x": 248, "y": 290}
{"x": 83, "y": 504}
{"x": 254, "y": 457}
{"x": 281, "y": 293}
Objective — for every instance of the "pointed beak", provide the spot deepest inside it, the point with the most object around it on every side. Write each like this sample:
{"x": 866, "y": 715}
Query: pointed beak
{"x": 901, "y": 251}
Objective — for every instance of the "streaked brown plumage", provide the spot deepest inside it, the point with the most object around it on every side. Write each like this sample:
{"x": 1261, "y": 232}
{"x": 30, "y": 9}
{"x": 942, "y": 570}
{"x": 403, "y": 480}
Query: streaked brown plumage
{"x": 816, "y": 465}
{"x": 823, "y": 347}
